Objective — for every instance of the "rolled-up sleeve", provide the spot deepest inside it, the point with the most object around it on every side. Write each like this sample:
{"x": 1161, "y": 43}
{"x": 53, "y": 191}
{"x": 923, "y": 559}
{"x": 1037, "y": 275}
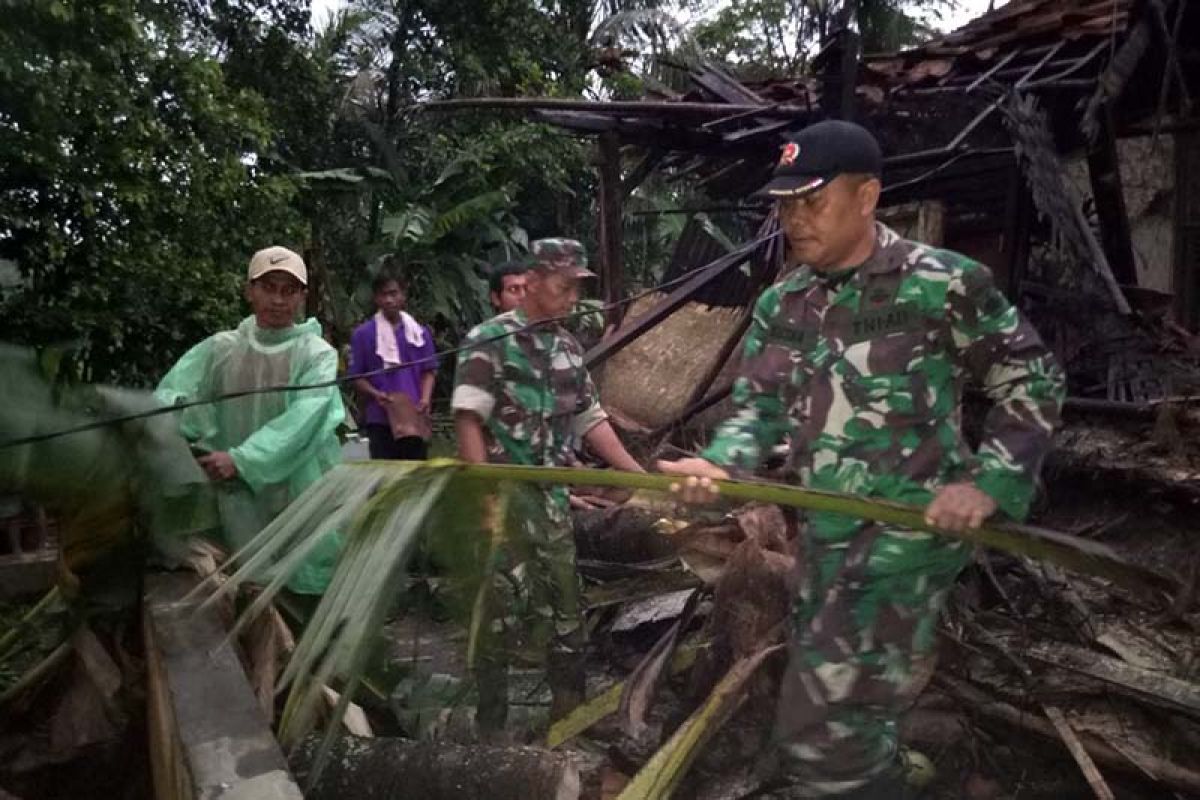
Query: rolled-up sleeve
{"x": 591, "y": 413}
{"x": 476, "y": 376}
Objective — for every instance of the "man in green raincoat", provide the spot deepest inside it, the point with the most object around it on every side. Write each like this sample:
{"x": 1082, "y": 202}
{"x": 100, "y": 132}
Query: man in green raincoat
{"x": 263, "y": 450}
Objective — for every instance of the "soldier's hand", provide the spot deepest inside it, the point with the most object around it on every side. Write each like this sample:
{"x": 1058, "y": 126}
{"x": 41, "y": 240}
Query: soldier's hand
{"x": 699, "y": 474}
{"x": 960, "y": 506}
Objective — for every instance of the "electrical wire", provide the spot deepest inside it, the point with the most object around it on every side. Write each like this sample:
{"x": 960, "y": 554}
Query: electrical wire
{"x": 744, "y": 251}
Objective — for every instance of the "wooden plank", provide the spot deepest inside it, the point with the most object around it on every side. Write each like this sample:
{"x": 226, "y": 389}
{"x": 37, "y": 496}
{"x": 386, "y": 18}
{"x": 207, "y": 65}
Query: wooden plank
{"x": 999, "y": 65}
{"x": 167, "y": 766}
{"x": 767, "y": 128}
{"x": 612, "y": 257}
{"x": 619, "y": 107}
{"x": 1086, "y": 765}
{"x": 724, "y": 86}
{"x": 1157, "y": 687}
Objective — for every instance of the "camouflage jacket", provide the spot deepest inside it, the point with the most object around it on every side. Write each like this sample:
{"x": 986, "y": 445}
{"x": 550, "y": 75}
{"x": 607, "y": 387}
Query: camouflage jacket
{"x": 865, "y": 371}
{"x": 530, "y": 388}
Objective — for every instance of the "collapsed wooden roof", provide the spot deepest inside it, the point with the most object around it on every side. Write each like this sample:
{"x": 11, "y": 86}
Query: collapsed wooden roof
{"x": 926, "y": 104}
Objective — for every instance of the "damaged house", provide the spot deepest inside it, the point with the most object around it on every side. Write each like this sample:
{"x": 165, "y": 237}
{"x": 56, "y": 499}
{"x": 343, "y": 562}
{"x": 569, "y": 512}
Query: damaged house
{"x": 1058, "y": 143}
{"x": 1053, "y": 141}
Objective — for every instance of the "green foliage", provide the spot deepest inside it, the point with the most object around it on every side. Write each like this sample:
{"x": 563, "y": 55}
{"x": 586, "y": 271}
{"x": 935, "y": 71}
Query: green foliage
{"x": 766, "y": 37}
{"x": 465, "y": 188}
{"x": 150, "y": 146}
{"x": 131, "y": 194}
{"x": 779, "y": 37}
{"x": 888, "y": 25}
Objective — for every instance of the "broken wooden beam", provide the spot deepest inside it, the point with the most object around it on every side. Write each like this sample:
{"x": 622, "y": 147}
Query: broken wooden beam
{"x": 612, "y": 260}
{"x": 1104, "y": 171}
{"x": 1086, "y": 765}
{"x": 648, "y": 108}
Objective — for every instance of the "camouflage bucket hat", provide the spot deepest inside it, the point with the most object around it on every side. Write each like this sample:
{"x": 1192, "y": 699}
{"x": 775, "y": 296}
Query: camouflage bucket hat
{"x": 564, "y": 256}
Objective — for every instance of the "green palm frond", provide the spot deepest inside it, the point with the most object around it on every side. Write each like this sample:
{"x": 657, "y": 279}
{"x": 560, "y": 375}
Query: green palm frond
{"x": 381, "y": 509}
{"x": 108, "y": 485}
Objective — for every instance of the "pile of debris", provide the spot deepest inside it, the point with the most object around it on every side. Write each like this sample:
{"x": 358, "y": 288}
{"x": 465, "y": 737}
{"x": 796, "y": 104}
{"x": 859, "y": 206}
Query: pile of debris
{"x": 1048, "y": 683}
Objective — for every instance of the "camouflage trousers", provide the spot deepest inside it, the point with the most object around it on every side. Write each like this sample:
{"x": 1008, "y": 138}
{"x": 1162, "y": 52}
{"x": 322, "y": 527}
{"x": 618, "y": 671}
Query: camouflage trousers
{"x": 533, "y": 613}
{"x": 863, "y": 625}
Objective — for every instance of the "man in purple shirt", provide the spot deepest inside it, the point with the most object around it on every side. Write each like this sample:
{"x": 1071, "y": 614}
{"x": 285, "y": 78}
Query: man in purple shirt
{"x": 392, "y": 338}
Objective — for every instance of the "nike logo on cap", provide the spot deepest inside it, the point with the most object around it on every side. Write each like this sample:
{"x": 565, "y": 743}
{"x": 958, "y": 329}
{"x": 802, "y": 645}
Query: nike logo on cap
{"x": 277, "y": 259}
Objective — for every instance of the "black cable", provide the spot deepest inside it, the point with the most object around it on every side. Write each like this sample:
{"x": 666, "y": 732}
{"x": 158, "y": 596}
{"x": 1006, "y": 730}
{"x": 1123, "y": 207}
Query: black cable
{"x": 746, "y": 249}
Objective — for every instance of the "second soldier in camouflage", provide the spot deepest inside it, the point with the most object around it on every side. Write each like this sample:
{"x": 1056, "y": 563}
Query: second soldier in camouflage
{"x": 859, "y": 356}
{"x": 523, "y": 396}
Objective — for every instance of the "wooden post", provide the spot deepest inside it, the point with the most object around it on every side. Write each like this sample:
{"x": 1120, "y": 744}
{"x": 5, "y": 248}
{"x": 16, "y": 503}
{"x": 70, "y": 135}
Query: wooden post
{"x": 1186, "y": 279}
{"x": 611, "y": 256}
{"x": 839, "y": 74}
{"x": 1017, "y": 228}
{"x": 849, "y": 73}
{"x": 1105, "y": 173}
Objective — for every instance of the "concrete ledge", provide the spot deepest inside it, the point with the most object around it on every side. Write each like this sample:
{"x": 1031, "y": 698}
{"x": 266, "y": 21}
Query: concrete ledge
{"x": 208, "y": 737}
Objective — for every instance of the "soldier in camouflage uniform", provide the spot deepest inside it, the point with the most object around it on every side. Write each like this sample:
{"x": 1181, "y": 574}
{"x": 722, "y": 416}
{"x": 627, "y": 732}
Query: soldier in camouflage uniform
{"x": 860, "y": 354}
{"x": 523, "y": 396}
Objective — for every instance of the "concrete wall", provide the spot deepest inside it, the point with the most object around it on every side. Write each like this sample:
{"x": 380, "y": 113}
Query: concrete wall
{"x": 1148, "y": 177}
{"x": 208, "y": 737}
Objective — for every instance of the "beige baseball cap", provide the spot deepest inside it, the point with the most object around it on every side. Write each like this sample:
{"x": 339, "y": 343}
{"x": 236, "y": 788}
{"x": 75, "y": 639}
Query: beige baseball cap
{"x": 278, "y": 259}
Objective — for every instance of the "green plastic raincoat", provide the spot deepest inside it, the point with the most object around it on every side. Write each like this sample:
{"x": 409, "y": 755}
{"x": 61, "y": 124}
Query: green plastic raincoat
{"x": 281, "y": 442}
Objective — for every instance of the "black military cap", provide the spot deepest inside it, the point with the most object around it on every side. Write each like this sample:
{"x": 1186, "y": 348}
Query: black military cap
{"x": 814, "y": 156}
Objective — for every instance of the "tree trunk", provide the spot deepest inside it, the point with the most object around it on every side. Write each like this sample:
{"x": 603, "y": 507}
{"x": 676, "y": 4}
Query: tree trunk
{"x": 385, "y": 768}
